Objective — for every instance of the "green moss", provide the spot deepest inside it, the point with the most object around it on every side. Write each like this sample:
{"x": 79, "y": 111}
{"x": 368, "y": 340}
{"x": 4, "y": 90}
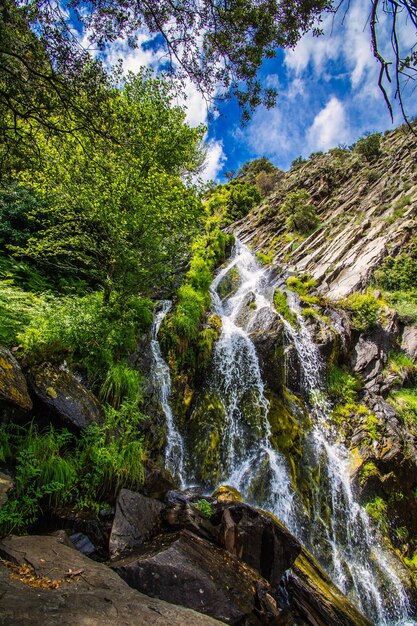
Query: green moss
{"x": 265, "y": 259}
{"x": 229, "y": 283}
{"x": 205, "y": 432}
{"x": 301, "y": 284}
{"x": 372, "y": 426}
{"x": 369, "y": 469}
{"x": 282, "y": 307}
{"x": 288, "y": 419}
{"x": 377, "y": 509}
{"x": 405, "y": 402}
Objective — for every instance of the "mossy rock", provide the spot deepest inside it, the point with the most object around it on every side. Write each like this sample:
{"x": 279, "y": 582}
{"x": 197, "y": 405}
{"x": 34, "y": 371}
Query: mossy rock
{"x": 288, "y": 419}
{"x": 13, "y": 387}
{"x": 229, "y": 284}
{"x": 205, "y": 430}
{"x": 226, "y": 493}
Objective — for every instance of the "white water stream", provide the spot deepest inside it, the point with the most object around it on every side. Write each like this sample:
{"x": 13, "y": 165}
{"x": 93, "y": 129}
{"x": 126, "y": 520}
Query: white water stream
{"x": 339, "y": 532}
{"x": 174, "y": 451}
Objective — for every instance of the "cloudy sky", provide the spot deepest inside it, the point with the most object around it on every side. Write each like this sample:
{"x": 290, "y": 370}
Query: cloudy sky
{"x": 328, "y": 94}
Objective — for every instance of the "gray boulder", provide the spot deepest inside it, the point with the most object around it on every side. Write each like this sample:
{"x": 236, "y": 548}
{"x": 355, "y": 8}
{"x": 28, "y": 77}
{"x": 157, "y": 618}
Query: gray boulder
{"x": 137, "y": 519}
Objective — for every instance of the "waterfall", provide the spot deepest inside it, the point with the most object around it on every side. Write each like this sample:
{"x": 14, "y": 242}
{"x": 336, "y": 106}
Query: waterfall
{"x": 339, "y": 533}
{"x": 249, "y": 460}
{"x": 355, "y": 557}
{"x": 359, "y": 565}
{"x": 174, "y": 451}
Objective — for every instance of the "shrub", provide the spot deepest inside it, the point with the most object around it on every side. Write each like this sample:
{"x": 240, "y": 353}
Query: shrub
{"x": 92, "y": 336}
{"x": 300, "y": 214}
{"x": 205, "y": 508}
{"x": 17, "y": 309}
{"x": 364, "y": 308}
{"x": 369, "y": 147}
{"x": 399, "y": 273}
{"x": 122, "y": 384}
{"x": 301, "y": 284}
{"x": 401, "y": 365}
{"x": 342, "y": 386}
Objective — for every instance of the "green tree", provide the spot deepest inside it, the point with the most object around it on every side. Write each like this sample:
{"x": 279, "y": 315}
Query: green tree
{"x": 300, "y": 213}
{"x": 369, "y": 147}
{"x": 121, "y": 213}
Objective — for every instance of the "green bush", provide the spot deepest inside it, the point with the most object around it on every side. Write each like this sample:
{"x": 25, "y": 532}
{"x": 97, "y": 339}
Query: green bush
{"x": 364, "y": 309}
{"x": 301, "y": 284}
{"x": 399, "y": 273}
{"x": 17, "y": 310}
{"x": 205, "y": 508}
{"x": 122, "y": 384}
{"x": 369, "y": 147}
{"x": 54, "y": 469}
{"x": 342, "y": 386}
{"x": 299, "y": 212}
{"x": 85, "y": 332}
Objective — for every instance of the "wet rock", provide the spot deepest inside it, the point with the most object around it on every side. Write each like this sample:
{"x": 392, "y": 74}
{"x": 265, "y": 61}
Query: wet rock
{"x": 229, "y": 284}
{"x": 96, "y": 596}
{"x": 226, "y": 493}
{"x": 315, "y": 600}
{"x": 6, "y": 485}
{"x": 13, "y": 386}
{"x": 257, "y": 538}
{"x": 266, "y": 330}
{"x": 409, "y": 341}
{"x": 187, "y": 570}
{"x": 64, "y": 395}
{"x": 247, "y": 310}
{"x": 191, "y": 494}
{"x": 137, "y": 519}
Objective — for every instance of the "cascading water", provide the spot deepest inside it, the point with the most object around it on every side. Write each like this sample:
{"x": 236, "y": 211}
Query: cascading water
{"x": 339, "y": 528}
{"x": 355, "y": 558}
{"x": 248, "y": 456}
{"x": 358, "y": 562}
{"x": 174, "y": 451}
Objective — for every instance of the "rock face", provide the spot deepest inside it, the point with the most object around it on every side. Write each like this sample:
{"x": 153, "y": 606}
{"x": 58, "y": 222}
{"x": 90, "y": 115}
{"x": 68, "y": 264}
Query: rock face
{"x": 13, "y": 387}
{"x": 87, "y": 592}
{"x": 64, "y": 395}
{"x": 137, "y": 519}
{"x": 409, "y": 341}
{"x": 357, "y": 230}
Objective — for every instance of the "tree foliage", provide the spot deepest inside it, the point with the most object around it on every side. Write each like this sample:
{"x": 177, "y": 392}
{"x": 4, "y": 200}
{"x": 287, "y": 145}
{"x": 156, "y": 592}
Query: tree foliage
{"x": 299, "y": 212}
{"x": 118, "y": 213}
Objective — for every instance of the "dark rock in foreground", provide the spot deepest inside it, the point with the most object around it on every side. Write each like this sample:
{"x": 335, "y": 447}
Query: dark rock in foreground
{"x": 88, "y": 592}
{"x": 137, "y": 519}
{"x": 187, "y": 570}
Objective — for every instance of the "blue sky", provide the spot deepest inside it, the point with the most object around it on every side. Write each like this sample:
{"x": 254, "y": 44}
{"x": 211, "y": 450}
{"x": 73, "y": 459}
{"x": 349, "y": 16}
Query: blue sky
{"x": 328, "y": 94}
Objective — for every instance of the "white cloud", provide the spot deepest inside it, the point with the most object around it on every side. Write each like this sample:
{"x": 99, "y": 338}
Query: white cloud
{"x": 329, "y": 126}
{"x": 215, "y": 160}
